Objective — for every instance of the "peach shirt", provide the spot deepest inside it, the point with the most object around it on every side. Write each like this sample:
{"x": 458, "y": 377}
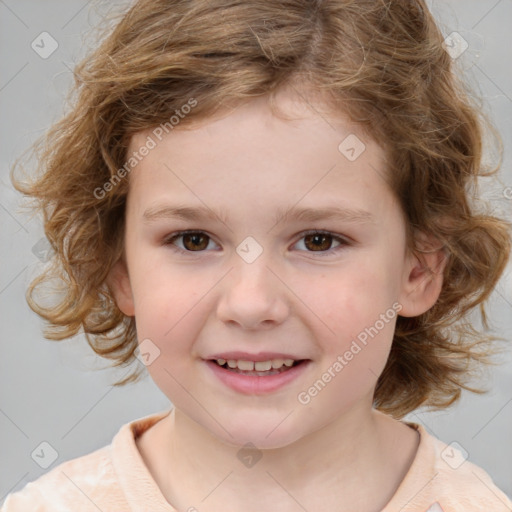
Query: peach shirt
{"x": 115, "y": 479}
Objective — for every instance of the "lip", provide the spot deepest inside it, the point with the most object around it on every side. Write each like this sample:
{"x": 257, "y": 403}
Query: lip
{"x": 256, "y": 384}
{"x": 260, "y": 356}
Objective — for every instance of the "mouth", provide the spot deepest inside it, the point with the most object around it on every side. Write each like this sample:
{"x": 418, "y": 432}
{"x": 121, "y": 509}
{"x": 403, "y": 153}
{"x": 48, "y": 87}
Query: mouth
{"x": 258, "y": 368}
{"x": 270, "y": 373}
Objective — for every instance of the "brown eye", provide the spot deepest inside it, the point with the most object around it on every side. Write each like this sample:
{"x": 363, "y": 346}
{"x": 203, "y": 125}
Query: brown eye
{"x": 321, "y": 242}
{"x": 318, "y": 241}
{"x": 193, "y": 241}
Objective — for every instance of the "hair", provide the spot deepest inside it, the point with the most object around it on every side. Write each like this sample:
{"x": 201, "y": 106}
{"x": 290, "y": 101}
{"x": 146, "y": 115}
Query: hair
{"x": 381, "y": 62}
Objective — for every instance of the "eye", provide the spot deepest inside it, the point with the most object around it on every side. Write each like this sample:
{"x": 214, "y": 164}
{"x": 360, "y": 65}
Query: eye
{"x": 193, "y": 241}
{"x": 314, "y": 240}
{"x": 321, "y": 241}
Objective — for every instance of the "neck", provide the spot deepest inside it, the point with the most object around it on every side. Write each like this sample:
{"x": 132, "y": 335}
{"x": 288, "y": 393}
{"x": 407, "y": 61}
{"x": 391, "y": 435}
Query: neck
{"x": 346, "y": 462}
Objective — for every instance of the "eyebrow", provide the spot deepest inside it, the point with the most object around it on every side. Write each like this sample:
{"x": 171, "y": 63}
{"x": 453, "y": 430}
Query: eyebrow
{"x": 294, "y": 213}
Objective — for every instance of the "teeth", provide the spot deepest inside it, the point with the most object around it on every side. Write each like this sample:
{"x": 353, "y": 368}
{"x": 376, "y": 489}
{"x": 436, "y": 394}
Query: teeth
{"x": 259, "y": 366}
{"x": 245, "y": 365}
{"x": 262, "y": 366}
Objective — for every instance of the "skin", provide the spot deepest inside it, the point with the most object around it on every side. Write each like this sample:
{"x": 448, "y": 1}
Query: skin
{"x": 335, "y": 452}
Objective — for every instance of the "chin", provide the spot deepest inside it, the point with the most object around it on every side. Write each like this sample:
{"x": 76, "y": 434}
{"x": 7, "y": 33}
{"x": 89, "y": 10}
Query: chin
{"x": 270, "y": 434}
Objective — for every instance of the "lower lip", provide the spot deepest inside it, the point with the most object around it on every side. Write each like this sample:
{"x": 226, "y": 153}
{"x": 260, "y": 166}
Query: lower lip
{"x": 255, "y": 384}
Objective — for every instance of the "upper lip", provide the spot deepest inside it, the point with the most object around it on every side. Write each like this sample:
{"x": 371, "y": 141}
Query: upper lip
{"x": 260, "y": 356}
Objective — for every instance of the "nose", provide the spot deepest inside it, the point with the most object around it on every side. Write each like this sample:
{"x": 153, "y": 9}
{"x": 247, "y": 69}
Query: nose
{"x": 253, "y": 296}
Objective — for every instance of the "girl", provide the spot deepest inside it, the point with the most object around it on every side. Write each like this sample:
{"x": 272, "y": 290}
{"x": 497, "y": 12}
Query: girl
{"x": 269, "y": 204}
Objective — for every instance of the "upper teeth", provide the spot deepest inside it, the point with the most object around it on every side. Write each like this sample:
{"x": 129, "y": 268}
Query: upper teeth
{"x": 259, "y": 366}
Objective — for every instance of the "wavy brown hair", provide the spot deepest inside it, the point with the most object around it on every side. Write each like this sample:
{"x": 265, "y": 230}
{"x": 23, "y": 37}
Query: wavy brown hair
{"x": 381, "y": 62}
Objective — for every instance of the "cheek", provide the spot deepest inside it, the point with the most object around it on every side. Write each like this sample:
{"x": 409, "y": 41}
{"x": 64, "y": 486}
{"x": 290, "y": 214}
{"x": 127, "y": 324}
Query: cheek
{"x": 352, "y": 298}
{"x": 169, "y": 309}
{"x": 165, "y": 297}
{"x": 355, "y": 317}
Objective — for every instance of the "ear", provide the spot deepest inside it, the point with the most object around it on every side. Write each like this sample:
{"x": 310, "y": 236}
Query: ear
{"x": 422, "y": 280}
{"x": 118, "y": 281}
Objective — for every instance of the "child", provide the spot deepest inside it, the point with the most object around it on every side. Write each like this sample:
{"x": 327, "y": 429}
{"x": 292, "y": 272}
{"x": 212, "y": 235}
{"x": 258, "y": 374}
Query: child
{"x": 273, "y": 202}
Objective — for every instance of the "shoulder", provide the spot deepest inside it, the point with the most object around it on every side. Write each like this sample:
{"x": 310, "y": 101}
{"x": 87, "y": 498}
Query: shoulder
{"x": 106, "y": 479}
{"x": 80, "y": 484}
{"x": 442, "y": 479}
{"x": 467, "y": 487}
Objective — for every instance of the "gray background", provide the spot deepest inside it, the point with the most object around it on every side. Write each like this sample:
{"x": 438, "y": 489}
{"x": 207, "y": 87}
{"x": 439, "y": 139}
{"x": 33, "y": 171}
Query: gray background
{"x": 59, "y": 392}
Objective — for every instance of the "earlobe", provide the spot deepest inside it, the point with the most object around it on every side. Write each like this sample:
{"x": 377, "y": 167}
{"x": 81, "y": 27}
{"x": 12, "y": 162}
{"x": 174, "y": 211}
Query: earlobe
{"x": 423, "y": 277}
{"x": 119, "y": 283}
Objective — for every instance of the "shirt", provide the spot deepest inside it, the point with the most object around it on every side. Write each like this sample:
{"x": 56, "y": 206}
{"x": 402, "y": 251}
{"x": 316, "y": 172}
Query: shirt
{"x": 115, "y": 478}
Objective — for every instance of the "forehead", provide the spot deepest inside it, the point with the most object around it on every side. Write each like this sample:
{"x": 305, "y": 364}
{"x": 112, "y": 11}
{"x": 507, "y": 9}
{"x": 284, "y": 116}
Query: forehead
{"x": 248, "y": 154}
{"x": 310, "y": 113}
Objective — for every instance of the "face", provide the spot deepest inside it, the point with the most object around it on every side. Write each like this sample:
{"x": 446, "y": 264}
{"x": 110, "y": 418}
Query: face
{"x": 321, "y": 288}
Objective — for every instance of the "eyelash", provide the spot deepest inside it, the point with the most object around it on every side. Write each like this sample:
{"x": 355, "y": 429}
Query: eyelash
{"x": 168, "y": 241}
